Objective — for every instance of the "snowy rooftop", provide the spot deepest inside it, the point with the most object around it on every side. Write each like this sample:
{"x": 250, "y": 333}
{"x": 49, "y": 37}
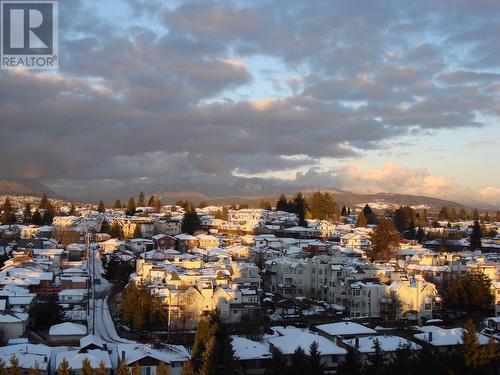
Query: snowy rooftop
{"x": 387, "y": 343}
{"x": 245, "y": 349}
{"x": 345, "y": 329}
{"x": 445, "y": 337}
{"x": 67, "y": 329}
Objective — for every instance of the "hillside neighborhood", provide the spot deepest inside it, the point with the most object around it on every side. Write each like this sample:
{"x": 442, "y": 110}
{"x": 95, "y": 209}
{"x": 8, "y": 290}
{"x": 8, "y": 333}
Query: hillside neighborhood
{"x": 139, "y": 286}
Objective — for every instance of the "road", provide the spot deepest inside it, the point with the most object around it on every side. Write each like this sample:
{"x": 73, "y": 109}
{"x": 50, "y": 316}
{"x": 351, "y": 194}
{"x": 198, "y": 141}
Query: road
{"x": 104, "y": 325}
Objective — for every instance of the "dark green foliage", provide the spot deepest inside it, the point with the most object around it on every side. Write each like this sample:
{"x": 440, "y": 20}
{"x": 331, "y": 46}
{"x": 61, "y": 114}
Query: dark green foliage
{"x": 101, "y": 207}
{"x": 299, "y": 208}
{"x": 476, "y": 235}
{"x": 322, "y": 206}
{"x": 118, "y": 204}
{"x": 265, "y": 205}
{"x": 277, "y": 364}
{"x": 8, "y": 213}
{"x": 282, "y": 204}
{"x": 352, "y": 364}
{"x": 27, "y": 216}
{"x": 191, "y": 222}
{"x": 43, "y": 202}
{"x": 298, "y": 362}
{"x": 44, "y": 313}
{"x": 141, "y": 202}
{"x": 314, "y": 365}
{"x": 49, "y": 213}
{"x": 37, "y": 218}
{"x": 469, "y": 294}
{"x": 130, "y": 207}
{"x": 117, "y": 271}
{"x": 404, "y": 219}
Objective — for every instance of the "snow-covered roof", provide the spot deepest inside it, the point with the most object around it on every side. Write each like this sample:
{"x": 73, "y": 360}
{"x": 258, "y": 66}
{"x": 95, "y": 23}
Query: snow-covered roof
{"x": 28, "y": 355}
{"x": 91, "y": 340}
{"x": 184, "y": 236}
{"x": 67, "y": 329}
{"x": 245, "y": 349}
{"x": 291, "y": 338}
{"x": 167, "y": 354}
{"x": 75, "y": 358}
{"x": 387, "y": 343}
{"x": 445, "y": 337}
{"x": 345, "y": 329}
{"x": 13, "y": 317}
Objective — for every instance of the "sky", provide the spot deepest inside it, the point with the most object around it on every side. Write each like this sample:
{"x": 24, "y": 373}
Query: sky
{"x": 250, "y": 97}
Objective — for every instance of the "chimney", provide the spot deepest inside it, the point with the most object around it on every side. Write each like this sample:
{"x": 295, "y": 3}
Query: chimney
{"x": 430, "y": 337}
{"x": 356, "y": 342}
{"x": 123, "y": 355}
{"x": 45, "y": 359}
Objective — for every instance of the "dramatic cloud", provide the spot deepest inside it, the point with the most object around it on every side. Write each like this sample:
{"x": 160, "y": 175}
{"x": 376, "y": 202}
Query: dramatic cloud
{"x": 201, "y": 92}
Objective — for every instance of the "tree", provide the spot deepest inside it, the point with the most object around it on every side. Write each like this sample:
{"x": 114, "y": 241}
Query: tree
{"x": 475, "y": 214}
{"x": 351, "y": 365}
{"x": 37, "y": 218}
{"x": 361, "y": 220}
{"x": 187, "y": 369}
{"x": 377, "y": 360}
{"x": 497, "y": 216}
{"x": 443, "y": 213}
{"x": 469, "y": 293}
{"x": 27, "y": 213}
{"x": 265, "y": 205}
{"x": 190, "y": 222}
{"x": 344, "y": 211}
{"x": 201, "y": 338}
{"x": 86, "y": 368}
{"x": 44, "y": 313}
{"x": 385, "y": 240}
{"x": 472, "y": 352}
{"x": 162, "y": 369}
{"x": 130, "y": 207}
{"x": 420, "y": 235}
{"x": 32, "y": 371}
{"x": 208, "y": 366}
{"x": 298, "y": 362}
{"x": 403, "y": 360}
{"x": 105, "y": 228}
{"x": 118, "y": 204}
{"x": 314, "y": 365}
{"x": 476, "y": 235}
{"x": 122, "y": 369}
{"x": 282, "y": 204}
{"x": 136, "y": 370}
{"x": 137, "y": 231}
{"x": 322, "y": 206}
{"x": 49, "y": 213}
{"x": 101, "y": 207}
{"x": 300, "y": 207}
{"x": 72, "y": 210}
{"x": 115, "y": 231}
{"x": 151, "y": 201}
{"x": 43, "y": 202}
{"x": 8, "y": 213}
{"x": 277, "y": 365}
{"x": 141, "y": 202}
{"x": 404, "y": 219}
{"x": 370, "y": 215}
{"x": 14, "y": 368}
{"x": 101, "y": 370}
{"x": 63, "y": 368}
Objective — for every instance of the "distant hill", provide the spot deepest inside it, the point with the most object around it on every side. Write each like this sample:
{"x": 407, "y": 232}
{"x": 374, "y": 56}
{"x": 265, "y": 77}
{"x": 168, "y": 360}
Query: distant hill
{"x": 23, "y": 187}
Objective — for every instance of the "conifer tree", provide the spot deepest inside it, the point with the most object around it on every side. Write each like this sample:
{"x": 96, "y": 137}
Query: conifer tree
{"x": 141, "y": 202}
{"x": 43, "y": 202}
{"x": 369, "y": 214}
{"x": 136, "y": 370}
{"x": 101, "y": 370}
{"x": 277, "y": 365}
{"x": 190, "y": 222}
{"x": 351, "y": 365}
{"x": 37, "y": 218}
{"x": 282, "y": 204}
{"x": 72, "y": 210}
{"x": 151, "y": 201}
{"x": 115, "y": 230}
{"x": 265, "y": 205}
{"x": 361, "y": 220}
{"x": 300, "y": 207}
{"x": 187, "y": 368}
{"x": 298, "y": 362}
{"x": 14, "y": 368}
{"x": 475, "y": 237}
{"x": 472, "y": 352}
{"x": 137, "y": 232}
{"x": 101, "y": 207}
{"x": 33, "y": 370}
{"x": 8, "y": 213}
{"x": 63, "y": 368}
{"x": 130, "y": 207}
{"x": 377, "y": 360}
{"x": 385, "y": 240}
{"x": 162, "y": 369}
{"x": 86, "y": 368}
{"x": 314, "y": 364}
{"x": 105, "y": 228}
{"x": 122, "y": 369}
{"x": 118, "y": 204}
{"x": 27, "y": 216}
{"x": 208, "y": 366}
{"x": 200, "y": 342}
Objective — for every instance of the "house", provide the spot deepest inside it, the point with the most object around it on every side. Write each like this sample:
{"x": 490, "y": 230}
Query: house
{"x": 445, "y": 340}
{"x": 72, "y": 295}
{"x": 29, "y": 356}
{"x": 67, "y": 333}
{"x": 164, "y": 241}
{"x": 388, "y": 345}
{"x": 186, "y": 242}
{"x": 252, "y": 356}
{"x": 345, "y": 330}
{"x": 13, "y": 324}
{"x": 356, "y": 241}
{"x": 206, "y": 241}
{"x": 75, "y": 359}
{"x": 288, "y": 339}
{"x": 148, "y": 358}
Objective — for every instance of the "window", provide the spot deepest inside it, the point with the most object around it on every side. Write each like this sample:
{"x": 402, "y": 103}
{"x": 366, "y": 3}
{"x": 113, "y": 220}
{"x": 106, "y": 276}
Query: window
{"x": 301, "y": 271}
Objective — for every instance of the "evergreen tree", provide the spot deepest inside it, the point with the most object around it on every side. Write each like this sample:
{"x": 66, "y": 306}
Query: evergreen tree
{"x": 33, "y": 370}
{"x": 27, "y": 216}
{"x": 63, "y": 368}
{"x": 137, "y": 232}
{"x": 115, "y": 231}
{"x": 14, "y": 368}
{"x": 151, "y": 201}
{"x": 385, "y": 240}
{"x": 377, "y": 360}
{"x": 208, "y": 366}
{"x": 122, "y": 369}
{"x": 101, "y": 370}
{"x": 300, "y": 206}
{"x": 361, "y": 220}
{"x": 404, "y": 219}
{"x": 475, "y": 237}
{"x": 403, "y": 360}
{"x": 420, "y": 235}
{"x": 8, "y": 213}
{"x": 469, "y": 293}
{"x": 282, "y": 204}
{"x": 118, "y": 204}
{"x": 472, "y": 352}
{"x": 462, "y": 214}
{"x": 49, "y": 213}
{"x": 475, "y": 214}
{"x": 322, "y": 206}
{"x": 86, "y": 368}
{"x": 130, "y": 207}
{"x": 141, "y": 202}
{"x": 370, "y": 215}
{"x": 72, "y": 210}
{"x": 314, "y": 365}
{"x": 298, "y": 362}
{"x": 37, "y": 218}
{"x": 497, "y": 216}
{"x": 101, "y": 207}
{"x": 190, "y": 222}
{"x": 187, "y": 369}
{"x": 136, "y": 370}
{"x": 277, "y": 365}
{"x": 105, "y": 228}
{"x": 351, "y": 365}
{"x": 43, "y": 202}
{"x": 162, "y": 369}
{"x": 223, "y": 354}
{"x": 201, "y": 338}
{"x": 444, "y": 214}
